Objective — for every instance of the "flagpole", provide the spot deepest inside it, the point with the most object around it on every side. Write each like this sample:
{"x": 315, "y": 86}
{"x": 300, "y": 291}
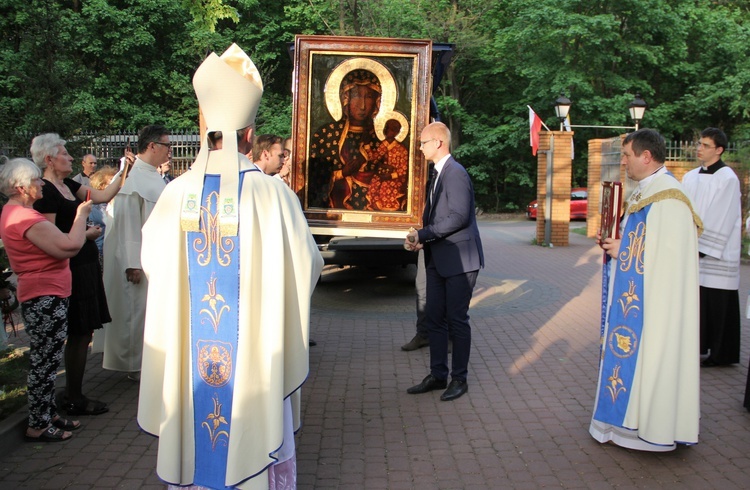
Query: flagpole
{"x": 540, "y": 119}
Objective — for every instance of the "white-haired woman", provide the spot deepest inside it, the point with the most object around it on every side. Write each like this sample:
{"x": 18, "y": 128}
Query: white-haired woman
{"x": 88, "y": 303}
{"x": 39, "y": 253}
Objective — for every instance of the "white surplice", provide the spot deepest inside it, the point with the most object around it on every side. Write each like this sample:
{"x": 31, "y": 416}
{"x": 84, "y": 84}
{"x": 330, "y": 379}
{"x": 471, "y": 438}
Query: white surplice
{"x": 718, "y": 202}
{"x": 123, "y": 338}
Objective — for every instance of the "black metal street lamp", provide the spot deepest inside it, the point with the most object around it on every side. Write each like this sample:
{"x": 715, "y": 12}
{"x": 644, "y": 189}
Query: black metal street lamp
{"x": 562, "y": 106}
{"x": 637, "y": 108}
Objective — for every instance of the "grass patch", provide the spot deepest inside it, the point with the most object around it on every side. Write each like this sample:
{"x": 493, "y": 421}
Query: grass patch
{"x": 14, "y": 368}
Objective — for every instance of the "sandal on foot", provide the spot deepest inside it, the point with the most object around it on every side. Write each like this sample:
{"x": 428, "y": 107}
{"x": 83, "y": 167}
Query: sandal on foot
{"x": 50, "y": 434}
{"x": 66, "y": 424}
{"x": 86, "y": 407}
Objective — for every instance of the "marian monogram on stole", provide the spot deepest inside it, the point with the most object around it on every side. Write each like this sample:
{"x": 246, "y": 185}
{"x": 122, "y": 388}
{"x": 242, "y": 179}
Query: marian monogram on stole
{"x": 213, "y": 330}
{"x": 210, "y": 241}
{"x": 623, "y": 340}
{"x": 625, "y": 324}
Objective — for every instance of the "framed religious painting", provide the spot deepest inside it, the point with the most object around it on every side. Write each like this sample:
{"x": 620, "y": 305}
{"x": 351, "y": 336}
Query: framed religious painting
{"x": 360, "y": 105}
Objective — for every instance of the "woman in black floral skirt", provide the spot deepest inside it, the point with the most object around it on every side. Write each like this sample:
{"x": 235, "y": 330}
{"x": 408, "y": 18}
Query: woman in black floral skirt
{"x": 88, "y": 303}
{"x": 39, "y": 253}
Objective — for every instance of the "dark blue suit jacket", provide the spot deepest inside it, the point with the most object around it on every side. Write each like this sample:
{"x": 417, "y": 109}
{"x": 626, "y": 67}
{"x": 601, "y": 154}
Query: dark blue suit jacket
{"x": 449, "y": 226}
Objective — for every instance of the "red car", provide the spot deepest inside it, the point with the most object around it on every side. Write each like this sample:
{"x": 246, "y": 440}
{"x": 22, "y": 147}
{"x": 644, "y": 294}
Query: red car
{"x": 579, "y": 203}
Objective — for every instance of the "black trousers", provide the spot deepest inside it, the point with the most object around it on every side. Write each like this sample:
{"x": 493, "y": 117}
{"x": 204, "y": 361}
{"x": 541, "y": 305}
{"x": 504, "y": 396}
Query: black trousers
{"x": 720, "y": 324}
{"x": 447, "y": 309}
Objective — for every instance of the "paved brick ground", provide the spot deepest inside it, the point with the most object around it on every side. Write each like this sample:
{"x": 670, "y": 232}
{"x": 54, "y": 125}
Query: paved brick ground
{"x": 522, "y": 425}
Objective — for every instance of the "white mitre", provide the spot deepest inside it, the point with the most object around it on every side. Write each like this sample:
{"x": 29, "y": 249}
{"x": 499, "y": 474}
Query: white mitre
{"x": 229, "y": 90}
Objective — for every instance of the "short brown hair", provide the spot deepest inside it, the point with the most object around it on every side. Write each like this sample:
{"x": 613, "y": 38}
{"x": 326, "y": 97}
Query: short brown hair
{"x": 647, "y": 139}
{"x": 264, "y": 142}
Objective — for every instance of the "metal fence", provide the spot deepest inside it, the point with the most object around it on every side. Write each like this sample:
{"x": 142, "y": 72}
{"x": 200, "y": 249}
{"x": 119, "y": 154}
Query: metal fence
{"x": 109, "y": 148}
{"x": 685, "y": 151}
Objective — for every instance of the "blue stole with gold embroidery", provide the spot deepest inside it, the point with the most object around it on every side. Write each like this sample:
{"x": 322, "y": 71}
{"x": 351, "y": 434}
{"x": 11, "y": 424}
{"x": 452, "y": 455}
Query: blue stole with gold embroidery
{"x": 213, "y": 265}
{"x": 623, "y": 337}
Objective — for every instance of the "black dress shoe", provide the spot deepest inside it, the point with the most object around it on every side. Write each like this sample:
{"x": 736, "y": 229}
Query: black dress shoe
{"x": 416, "y": 343}
{"x": 457, "y": 388}
{"x": 430, "y": 383}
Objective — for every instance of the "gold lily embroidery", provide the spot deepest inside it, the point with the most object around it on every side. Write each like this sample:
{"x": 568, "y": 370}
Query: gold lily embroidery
{"x": 615, "y": 386}
{"x": 213, "y": 298}
{"x": 213, "y": 421}
{"x": 628, "y": 300}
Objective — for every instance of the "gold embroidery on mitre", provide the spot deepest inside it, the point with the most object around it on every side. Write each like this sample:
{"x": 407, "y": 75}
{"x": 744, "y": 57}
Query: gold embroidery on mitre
{"x": 213, "y": 422}
{"x": 632, "y": 256}
{"x": 212, "y": 237}
{"x": 214, "y": 362}
{"x": 213, "y": 298}
{"x": 615, "y": 386}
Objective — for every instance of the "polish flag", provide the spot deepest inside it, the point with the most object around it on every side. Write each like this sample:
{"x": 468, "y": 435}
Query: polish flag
{"x": 535, "y": 125}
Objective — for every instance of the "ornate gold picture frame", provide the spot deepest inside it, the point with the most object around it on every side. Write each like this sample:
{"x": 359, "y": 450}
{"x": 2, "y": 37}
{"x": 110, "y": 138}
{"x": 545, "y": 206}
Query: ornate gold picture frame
{"x": 360, "y": 105}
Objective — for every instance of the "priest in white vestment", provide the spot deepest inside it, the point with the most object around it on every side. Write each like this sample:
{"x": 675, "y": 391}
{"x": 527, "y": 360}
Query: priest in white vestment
{"x": 226, "y": 341}
{"x": 648, "y": 390}
{"x": 124, "y": 282}
{"x": 715, "y": 190}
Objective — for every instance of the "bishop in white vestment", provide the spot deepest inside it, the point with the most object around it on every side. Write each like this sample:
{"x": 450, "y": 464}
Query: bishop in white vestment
{"x": 226, "y": 344}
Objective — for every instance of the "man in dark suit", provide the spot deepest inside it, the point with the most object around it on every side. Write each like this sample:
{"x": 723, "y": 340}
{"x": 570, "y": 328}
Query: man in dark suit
{"x": 453, "y": 256}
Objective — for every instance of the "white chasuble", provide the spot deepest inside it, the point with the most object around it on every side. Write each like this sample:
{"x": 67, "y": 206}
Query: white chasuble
{"x": 226, "y": 339}
{"x": 663, "y": 395}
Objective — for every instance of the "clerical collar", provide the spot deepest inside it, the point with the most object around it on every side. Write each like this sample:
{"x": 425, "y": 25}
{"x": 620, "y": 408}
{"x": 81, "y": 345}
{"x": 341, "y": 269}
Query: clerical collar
{"x": 712, "y": 169}
{"x": 644, "y": 182}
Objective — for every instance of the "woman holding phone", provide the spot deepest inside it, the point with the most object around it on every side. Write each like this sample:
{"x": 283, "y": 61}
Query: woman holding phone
{"x": 88, "y": 303}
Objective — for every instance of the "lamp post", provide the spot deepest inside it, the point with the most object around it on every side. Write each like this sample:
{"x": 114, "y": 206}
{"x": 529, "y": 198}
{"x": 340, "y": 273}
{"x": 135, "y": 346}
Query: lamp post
{"x": 562, "y": 106}
{"x": 637, "y": 108}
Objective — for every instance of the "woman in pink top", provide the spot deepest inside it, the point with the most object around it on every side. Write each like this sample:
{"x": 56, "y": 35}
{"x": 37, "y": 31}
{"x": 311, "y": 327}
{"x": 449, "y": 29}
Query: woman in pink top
{"x": 38, "y": 253}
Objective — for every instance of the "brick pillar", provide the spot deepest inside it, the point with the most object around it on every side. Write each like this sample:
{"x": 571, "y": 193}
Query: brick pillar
{"x": 594, "y": 188}
{"x": 561, "y": 177}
